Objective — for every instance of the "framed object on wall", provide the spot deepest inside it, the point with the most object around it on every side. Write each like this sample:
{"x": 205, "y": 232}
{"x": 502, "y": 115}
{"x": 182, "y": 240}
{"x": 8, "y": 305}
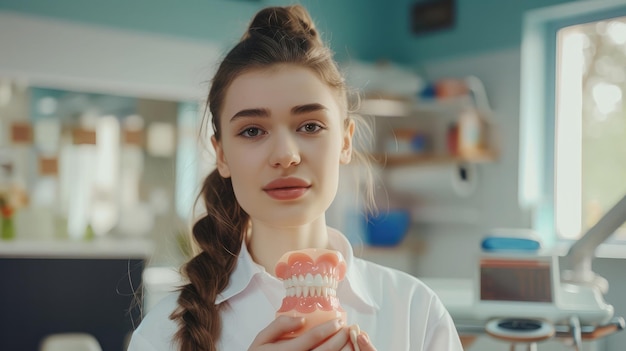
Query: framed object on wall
{"x": 432, "y": 15}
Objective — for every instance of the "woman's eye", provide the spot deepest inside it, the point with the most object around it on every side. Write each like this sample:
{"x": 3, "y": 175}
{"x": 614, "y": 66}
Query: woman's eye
{"x": 311, "y": 128}
{"x": 251, "y": 132}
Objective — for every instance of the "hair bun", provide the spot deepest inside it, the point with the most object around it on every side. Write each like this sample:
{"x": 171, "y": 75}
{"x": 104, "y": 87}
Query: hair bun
{"x": 293, "y": 21}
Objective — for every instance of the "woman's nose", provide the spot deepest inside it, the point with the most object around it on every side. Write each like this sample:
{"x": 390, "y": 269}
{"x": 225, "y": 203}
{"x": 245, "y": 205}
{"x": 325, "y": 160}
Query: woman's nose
{"x": 285, "y": 152}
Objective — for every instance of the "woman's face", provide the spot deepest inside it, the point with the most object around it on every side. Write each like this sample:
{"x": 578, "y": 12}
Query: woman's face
{"x": 283, "y": 139}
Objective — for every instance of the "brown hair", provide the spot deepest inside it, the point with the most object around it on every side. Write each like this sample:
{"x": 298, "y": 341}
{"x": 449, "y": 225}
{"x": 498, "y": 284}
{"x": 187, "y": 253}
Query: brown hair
{"x": 276, "y": 35}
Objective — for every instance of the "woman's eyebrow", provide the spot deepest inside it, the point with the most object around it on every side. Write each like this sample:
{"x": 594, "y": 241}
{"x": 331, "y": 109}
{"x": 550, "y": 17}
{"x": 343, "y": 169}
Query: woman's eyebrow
{"x": 251, "y": 112}
{"x": 301, "y": 109}
{"x": 263, "y": 112}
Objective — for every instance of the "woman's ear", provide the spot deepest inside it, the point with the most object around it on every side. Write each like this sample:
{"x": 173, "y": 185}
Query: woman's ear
{"x": 222, "y": 165}
{"x": 346, "y": 149}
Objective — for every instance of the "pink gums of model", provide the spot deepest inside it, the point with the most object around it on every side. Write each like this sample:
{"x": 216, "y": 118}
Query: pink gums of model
{"x": 310, "y": 277}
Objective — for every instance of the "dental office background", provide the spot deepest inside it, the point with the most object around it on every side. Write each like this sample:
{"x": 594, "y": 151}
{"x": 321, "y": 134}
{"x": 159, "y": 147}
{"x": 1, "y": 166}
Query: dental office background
{"x": 100, "y": 106}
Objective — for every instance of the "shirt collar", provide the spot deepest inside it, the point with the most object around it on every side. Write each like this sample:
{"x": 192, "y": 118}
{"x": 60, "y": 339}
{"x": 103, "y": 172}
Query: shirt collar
{"x": 241, "y": 277}
{"x": 356, "y": 282}
{"x": 247, "y": 269}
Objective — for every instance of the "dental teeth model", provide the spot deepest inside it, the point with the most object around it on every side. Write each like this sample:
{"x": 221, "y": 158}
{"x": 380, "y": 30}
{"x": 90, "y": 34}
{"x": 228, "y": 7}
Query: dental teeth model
{"x": 310, "y": 277}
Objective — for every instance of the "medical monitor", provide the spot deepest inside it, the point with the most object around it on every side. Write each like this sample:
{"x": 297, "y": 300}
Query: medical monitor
{"x": 517, "y": 278}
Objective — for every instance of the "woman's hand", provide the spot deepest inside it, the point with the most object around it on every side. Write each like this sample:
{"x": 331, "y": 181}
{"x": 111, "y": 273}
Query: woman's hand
{"x": 328, "y": 336}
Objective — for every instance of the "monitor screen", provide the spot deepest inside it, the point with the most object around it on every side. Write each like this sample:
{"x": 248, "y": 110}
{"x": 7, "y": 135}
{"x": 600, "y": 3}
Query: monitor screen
{"x": 525, "y": 280}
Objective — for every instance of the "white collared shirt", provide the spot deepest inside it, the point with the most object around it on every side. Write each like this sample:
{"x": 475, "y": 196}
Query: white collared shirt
{"x": 397, "y": 310}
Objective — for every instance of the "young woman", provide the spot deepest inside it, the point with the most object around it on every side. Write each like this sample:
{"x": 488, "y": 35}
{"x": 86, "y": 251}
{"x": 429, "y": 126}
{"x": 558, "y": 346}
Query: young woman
{"x": 281, "y": 133}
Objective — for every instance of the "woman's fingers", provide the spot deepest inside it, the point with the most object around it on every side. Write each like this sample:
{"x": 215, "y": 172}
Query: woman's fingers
{"x": 340, "y": 341}
{"x": 279, "y": 327}
{"x": 316, "y": 336}
{"x": 328, "y": 336}
{"x": 364, "y": 342}
{"x": 354, "y": 333}
{"x": 322, "y": 335}
{"x": 347, "y": 347}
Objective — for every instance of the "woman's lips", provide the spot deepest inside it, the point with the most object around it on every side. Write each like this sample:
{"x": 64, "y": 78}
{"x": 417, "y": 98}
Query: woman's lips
{"x": 286, "y": 188}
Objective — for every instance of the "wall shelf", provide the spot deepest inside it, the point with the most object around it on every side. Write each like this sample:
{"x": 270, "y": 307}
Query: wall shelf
{"x": 389, "y": 107}
{"x": 391, "y": 160}
{"x": 431, "y": 119}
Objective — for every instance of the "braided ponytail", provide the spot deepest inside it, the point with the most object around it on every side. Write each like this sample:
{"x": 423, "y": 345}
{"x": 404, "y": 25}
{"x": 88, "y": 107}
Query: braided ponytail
{"x": 219, "y": 235}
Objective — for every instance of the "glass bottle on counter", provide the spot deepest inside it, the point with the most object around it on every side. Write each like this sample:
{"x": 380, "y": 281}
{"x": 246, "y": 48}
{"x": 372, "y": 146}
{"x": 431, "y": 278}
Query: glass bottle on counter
{"x": 7, "y": 228}
{"x": 7, "y": 202}
{"x": 472, "y": 129}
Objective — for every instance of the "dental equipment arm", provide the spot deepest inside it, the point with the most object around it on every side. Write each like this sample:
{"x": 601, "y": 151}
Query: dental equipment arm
{"x": 582, "y": 251}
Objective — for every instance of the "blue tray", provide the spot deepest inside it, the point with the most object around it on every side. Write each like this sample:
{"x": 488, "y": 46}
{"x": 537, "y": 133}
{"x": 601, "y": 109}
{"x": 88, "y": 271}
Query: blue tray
{"x": 494, "y": 243}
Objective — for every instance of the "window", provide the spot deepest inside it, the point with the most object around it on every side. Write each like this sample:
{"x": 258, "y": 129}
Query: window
{"x": 573, "y": 116}
{"x": 590, "y": 166}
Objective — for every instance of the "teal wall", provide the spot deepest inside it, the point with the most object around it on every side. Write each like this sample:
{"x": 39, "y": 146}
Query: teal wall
{"x": 221, "y": 21}
{"x": 481, "y": 25}
{"x": 364, "y": 29}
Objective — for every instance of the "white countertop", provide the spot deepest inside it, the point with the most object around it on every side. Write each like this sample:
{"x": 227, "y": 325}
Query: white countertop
{"x": 114, "y": 248}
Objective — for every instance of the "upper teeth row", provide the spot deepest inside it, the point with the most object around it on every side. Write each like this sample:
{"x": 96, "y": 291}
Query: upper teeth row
{"x": 310, "y": 280}
{"x": 306, "y": 291}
